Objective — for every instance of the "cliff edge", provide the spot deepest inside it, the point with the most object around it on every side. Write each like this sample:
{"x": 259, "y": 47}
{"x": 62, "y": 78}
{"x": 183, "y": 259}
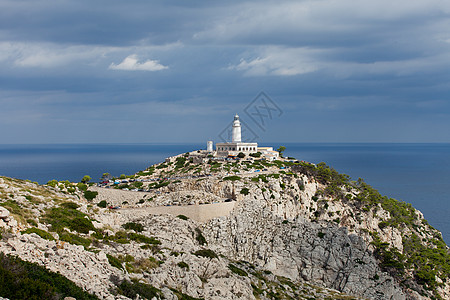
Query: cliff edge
{"x": 272, "y": 230}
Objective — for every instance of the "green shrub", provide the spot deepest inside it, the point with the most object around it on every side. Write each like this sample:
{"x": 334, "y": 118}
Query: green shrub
{"x": 102, "y": 204}
{"x": 383, "y": 224}
{"x": 74, "y": 239}
{"x": 114, "y": 261}
{"x": 160, "y": 184}
{"x": 232, "y": 178}
{"x": 90, "y": 195}
{"x": 134, "y": 226}
{"x": 69, "y": 205}
{"x": 245, "y": 191}
{"x": 183, "y": 217}
{"x": 86, "y": 179}
{"x": 83, "y": 187}
{"x": 237, "y": 270}
{"x": 52, "y": 183}
{"x": 138, "y": 184}
{"x": 183, "y": 265}
{"x": 133, "y": 289}
{"x": 257, "y": 154}
{"x": 199, "y": 237}
{"x": 42, "y": 233}
{"x": 180, "y": 162}
{"x": 32, "y": 222}
{"x": 68, "y": 216}
{"x": 25, "y": 280}
{"x": 320, "y": 234}
{"x": 206, "y": 253}
{"x": 143, "y": 239}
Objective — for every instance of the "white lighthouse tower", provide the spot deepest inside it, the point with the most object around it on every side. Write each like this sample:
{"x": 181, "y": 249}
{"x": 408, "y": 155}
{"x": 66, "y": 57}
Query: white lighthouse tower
{"x": 236, "y": 145}
{"x": 236, "y": 134}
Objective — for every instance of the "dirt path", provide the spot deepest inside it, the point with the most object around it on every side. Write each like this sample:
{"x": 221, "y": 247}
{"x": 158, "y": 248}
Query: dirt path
{"x": 200, "y": 213}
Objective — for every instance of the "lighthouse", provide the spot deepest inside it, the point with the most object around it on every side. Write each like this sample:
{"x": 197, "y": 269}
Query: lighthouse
{"x": 236, "y": 145}
{"x": 236, "y": 134}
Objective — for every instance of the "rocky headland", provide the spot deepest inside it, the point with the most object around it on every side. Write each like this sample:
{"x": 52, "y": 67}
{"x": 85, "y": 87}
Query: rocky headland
{"x": 208, "y": 229}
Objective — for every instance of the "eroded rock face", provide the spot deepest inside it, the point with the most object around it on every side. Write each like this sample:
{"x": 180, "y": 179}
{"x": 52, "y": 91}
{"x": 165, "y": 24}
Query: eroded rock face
{"x": 302, "y": 250}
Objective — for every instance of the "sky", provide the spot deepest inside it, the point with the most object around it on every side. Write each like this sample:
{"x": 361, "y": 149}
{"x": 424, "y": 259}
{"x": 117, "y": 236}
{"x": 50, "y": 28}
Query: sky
{"x": 178, "y": 71}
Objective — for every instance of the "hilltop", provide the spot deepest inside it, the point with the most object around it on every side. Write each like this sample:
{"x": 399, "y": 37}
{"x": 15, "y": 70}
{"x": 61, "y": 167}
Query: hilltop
{"x": 195, "y": 227}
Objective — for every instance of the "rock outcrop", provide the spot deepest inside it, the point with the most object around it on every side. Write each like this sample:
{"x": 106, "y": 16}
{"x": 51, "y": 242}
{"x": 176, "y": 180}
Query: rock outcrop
{"x": 298, "y": 232}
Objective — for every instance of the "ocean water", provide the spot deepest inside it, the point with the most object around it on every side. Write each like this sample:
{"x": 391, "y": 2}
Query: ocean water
{"x": 415, "y": 173}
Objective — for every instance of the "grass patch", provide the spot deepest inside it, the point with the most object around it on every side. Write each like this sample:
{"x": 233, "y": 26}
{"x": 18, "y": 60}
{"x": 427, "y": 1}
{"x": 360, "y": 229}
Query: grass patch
{"x": 42, "y": 233}
{"x": 19, "y": 213}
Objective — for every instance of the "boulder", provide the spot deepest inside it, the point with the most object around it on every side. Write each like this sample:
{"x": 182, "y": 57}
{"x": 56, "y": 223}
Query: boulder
{"x": 4, "y": 213}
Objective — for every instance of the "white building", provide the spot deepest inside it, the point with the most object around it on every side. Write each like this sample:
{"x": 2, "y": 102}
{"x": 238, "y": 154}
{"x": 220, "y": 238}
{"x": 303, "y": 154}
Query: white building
{"x": 236, "y": 145}
{"x": 269, "y": 153}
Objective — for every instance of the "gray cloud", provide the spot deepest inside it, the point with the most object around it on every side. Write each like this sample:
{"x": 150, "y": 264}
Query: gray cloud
{"x": 348, "y": 69}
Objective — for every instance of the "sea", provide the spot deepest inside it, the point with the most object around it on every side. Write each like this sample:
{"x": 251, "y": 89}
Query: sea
{"x": 415, "y": 173}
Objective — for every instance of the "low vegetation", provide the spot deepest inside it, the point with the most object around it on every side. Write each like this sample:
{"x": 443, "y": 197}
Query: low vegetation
{"x": 42, "y": 233}
{"x": 136, "y": 290}
{"x": 90, "y": 195}
{"x": 232, "y": 178}
{"x": 206, "y": 253}
{"x": 199, "y": 237}
{"x": 102, "y": 204}
{"x": 244, "y": 191}
{"x": 67, "y": 216}
{"x": 237, "y": 270}
{"x": 123, "y": 237}
{"x": 425, "y": 258}
{"x": 25, "y": 280}
{"x": 183, "y": 265}
{"x": 138, "y": 227}
{"x": 182, "y": 217}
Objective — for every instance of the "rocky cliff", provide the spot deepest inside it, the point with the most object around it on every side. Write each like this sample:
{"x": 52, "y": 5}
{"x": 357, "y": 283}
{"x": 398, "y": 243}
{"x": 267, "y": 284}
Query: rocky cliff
{"x": 297, "y": 231}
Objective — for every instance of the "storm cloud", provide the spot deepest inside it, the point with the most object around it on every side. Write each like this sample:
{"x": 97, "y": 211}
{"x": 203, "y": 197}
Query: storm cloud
{"x": 177, "y": 71}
